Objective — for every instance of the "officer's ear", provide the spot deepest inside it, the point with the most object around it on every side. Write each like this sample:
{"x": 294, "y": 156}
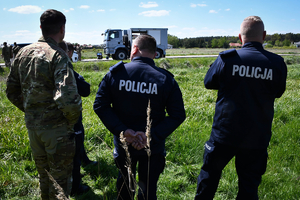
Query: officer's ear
{"x": 240, "y": 37}
{"x": 135, "y": 49}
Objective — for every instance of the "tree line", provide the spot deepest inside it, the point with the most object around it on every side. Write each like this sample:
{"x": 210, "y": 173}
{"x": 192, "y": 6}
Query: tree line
{"x": 277, "y": 40}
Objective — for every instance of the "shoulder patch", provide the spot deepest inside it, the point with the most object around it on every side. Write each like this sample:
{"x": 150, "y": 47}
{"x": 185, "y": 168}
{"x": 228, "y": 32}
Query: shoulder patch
{"x": 228, "y": 53}
{"x": 167, "y": 71}
{"x": 116, "y": 67}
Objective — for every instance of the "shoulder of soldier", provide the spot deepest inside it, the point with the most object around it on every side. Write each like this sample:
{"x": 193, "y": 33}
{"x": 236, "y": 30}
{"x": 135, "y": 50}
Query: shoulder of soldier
{"x": 116, "y": 67}
{"x": 228, "y": 53}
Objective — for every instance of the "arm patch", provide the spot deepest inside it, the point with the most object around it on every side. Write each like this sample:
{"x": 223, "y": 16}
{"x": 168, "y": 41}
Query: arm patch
{"x": 116, "y": 67}
{"x": 228, "y": 53}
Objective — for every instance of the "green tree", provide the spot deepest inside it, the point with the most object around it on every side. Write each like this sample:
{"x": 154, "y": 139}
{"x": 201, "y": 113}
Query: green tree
{"x": 278, "y": 43}
{"x": 214, "y": 43}
{"x": 286, "y": 43}
{"x": 173, "y": 40}
{"x": 223, "y": 43}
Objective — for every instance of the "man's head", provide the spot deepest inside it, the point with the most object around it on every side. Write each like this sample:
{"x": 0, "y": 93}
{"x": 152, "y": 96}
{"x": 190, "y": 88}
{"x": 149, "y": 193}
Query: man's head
{"x": 63, "y": 46}
{"x": 67, "y": 47}
{"x": 144, "y": 46}
{"x": 53, "y": 24}
{"x": 4, "y": 43}
{"x": 70, "y": 50}
{"x": 15, "y": 44}
{"x": 252, "y": 30}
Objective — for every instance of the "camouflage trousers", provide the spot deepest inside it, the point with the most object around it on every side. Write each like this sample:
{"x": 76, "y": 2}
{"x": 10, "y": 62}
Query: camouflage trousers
{"x": 53, "y": 151}
{"x": 7, "y": 62}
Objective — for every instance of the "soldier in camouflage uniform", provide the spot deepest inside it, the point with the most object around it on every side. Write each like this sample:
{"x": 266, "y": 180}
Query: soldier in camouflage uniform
{"x": 15, "y": 49}
{"x": 78, "y": 49}
{"x": 6, "y": 53}
{"x": 41, "y": 83}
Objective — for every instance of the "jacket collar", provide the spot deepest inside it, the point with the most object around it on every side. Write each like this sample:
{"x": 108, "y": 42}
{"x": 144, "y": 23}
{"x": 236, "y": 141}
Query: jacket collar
{"x": 48, "y": 40}
{"x": 257, "y": 45}
{"x": 144, "y": 59}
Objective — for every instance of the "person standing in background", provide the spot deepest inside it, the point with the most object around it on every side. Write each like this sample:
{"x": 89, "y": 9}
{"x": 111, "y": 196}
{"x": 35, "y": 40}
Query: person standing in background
{"x": 6, "y": 54}
{"x": 79, "y": 49}
{"x": 15, "y": 49}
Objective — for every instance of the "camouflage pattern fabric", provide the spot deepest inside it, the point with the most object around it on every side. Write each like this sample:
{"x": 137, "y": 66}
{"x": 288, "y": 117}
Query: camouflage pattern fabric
{"x": 78, "y": 49}
{"x": 53, "y": 150}
{"x": 16, "y": 49}
{"x": 41, "y": 83}
{"x": 6, "y": 55}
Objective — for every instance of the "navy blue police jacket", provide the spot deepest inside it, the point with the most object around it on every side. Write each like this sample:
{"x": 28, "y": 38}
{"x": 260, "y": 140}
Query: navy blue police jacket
{"x": 122, "y": 100}
{"x": 83, "y": 88}
{"x": 248, "y": 81}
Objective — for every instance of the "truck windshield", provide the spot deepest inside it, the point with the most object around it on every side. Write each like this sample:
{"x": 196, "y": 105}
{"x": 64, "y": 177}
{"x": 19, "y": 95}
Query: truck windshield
{"x": 111, "y": 35}
{"x": 106, "y": 37}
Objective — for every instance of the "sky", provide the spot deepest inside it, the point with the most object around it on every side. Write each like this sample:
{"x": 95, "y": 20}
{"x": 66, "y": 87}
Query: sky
{"x": 87, "y": 20}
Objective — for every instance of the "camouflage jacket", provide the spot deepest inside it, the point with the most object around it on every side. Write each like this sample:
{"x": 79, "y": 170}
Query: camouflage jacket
{"x": 16, "y": 49}
{"x": 6, "y": 52}
{"x": 42, "y": 84}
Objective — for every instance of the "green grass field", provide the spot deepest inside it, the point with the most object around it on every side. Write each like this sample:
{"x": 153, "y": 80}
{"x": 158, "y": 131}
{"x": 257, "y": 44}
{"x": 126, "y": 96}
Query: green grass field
{"x": 19, "y": 178}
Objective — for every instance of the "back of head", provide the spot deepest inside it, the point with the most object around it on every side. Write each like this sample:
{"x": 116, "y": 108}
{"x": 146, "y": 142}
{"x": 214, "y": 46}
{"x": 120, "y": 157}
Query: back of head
{"x": 146, "y": 43}
{"x": 252, "y": 29}
{"x": 51, "y": 22}
{"x": 70, "y": 46}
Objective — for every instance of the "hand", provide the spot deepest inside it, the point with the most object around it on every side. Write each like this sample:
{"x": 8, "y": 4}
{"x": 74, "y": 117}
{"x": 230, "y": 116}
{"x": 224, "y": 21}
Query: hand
{"x": 129, "y": 135}
{"x": 141, "y": 140}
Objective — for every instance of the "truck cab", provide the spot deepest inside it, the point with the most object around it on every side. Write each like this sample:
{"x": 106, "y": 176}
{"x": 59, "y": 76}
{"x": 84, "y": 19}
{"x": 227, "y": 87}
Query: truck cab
{"x": 117, "y": 42}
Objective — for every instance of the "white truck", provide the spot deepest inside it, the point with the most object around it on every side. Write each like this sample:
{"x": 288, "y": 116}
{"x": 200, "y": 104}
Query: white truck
{"x": 117, "y": 42}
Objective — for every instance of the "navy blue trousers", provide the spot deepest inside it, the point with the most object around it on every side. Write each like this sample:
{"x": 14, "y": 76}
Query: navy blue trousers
{"x": 77, "y": 161}
{"x": 80, "y": 155}
{"x": 157, "y": 165}
{"x": 250, "y": 165}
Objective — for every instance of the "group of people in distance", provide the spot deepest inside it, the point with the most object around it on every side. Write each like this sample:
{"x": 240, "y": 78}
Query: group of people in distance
{"x": 248, "y": 81}
{"x": 9, "y": 52}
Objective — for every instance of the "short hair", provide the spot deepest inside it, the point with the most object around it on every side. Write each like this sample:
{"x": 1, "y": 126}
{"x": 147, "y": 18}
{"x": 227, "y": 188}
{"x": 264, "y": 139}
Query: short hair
{"x": 4, "y": 43}
{"x": 146, "y": 42}
{"x": 70, "y": 46}
{"x": 51, "y": 22}
{"x": 63, "y": 45}
{"x": 252, "y": 27}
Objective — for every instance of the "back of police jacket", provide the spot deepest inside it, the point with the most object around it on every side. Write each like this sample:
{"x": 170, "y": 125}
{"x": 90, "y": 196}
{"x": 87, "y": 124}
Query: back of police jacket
{"x": 128, "y": 87}
{"x": 248, "y": 81}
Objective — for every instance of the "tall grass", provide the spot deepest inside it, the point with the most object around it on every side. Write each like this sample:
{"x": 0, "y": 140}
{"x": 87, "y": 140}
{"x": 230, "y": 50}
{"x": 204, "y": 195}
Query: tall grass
{"x": 19, "y": 179}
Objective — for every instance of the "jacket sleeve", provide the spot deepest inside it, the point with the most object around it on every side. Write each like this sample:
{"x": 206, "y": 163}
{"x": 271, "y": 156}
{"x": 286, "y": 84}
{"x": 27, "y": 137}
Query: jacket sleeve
{"x": 82, "y": 86}
{"x": 102, "y": 107}
{"x": 66, "y": 95}
{"x": 212, "y": 77}
{"x": 282, "y": 82}
{"x": 176, "y": 115}
{"x": 13, "y": 88}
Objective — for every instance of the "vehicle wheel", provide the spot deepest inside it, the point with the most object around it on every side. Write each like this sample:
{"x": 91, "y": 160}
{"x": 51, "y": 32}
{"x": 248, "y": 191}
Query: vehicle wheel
{"x": 121, "y": 55}
{"x": 158, "y": 53}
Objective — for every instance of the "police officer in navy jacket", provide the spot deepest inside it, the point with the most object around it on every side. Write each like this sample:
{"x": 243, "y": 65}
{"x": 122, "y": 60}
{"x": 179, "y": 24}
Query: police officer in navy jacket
{"x": 248, "y": 81}
{"x": 128, "y": 88}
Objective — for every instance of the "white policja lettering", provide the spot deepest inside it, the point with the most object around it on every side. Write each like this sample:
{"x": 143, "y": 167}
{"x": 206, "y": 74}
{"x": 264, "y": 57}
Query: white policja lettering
{"x": 140, "y": 87}
{"x": 252, "y": 72}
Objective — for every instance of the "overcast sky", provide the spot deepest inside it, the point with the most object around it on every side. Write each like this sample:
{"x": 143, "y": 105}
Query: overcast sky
{"x": 86, "y": 20}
